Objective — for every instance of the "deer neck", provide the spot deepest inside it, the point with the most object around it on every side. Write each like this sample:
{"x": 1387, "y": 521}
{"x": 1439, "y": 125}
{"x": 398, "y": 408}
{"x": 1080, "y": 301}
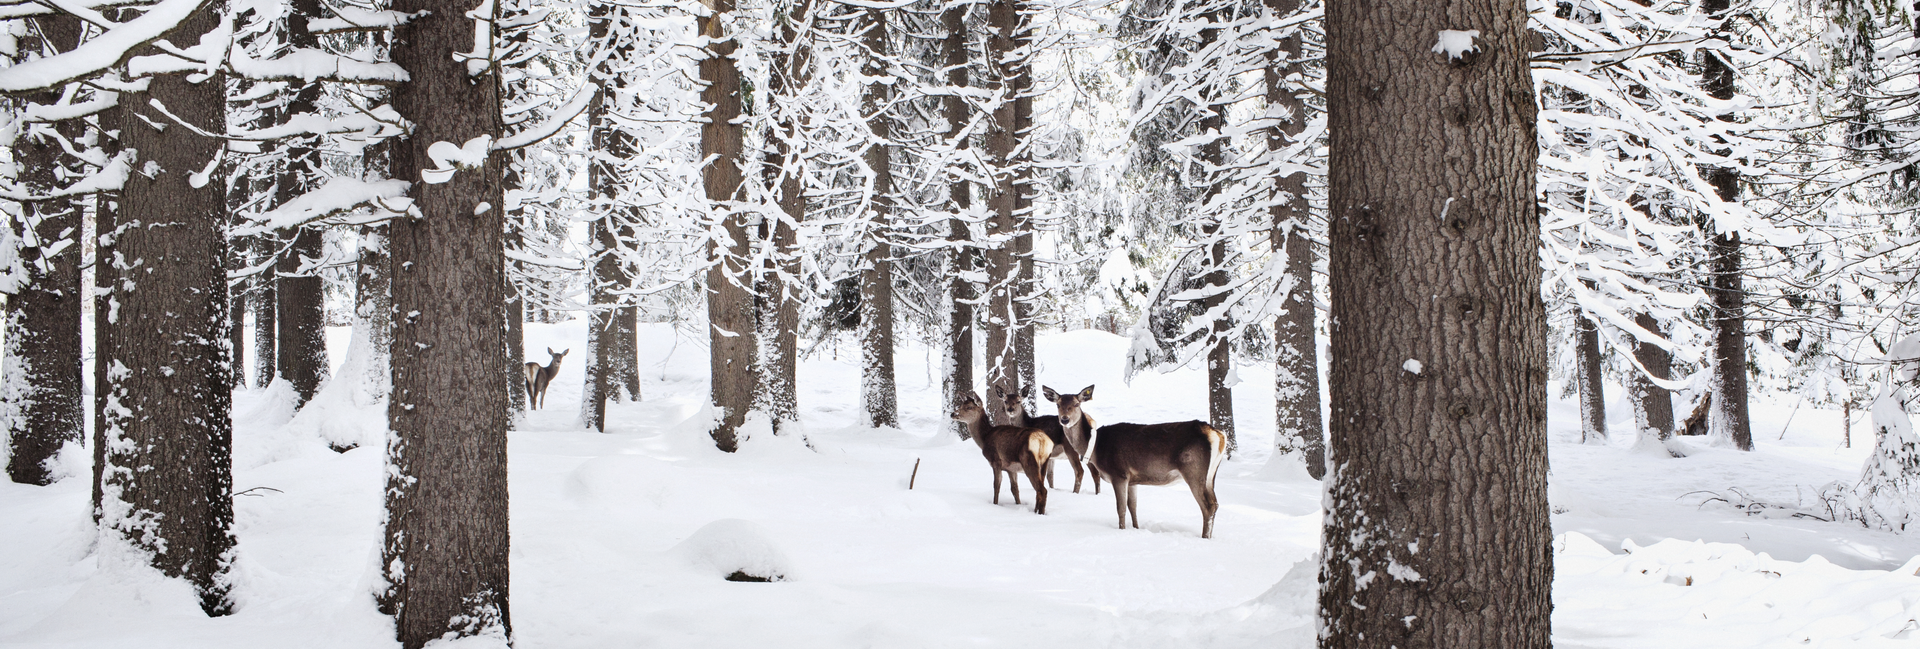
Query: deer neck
{"x": 977, "y": 427}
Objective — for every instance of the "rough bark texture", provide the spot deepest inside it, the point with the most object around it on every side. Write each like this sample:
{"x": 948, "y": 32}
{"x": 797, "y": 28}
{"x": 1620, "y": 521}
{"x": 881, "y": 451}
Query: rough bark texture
{"x": 40, "y": 403}
{"x": 1003, "y": 372}
{"x": 961, "y": 259}
{"x": 731, "y": 336}
{"x": 106, "y": 218}
{"x": 779, "y": 306}
{"x": 1652, "y": 405}
{"x": 1448, "y": 456}
{"x": 1019, "y": 76}
{"x": 1296, "y": 374}
{"x": 1728, "y": 424}
{"x": 613, "y": 371}
{"x": 1593, "y": 398}
{"x": 877, "y": 388}
{"x": 446, "y": 539}
{"x": 237, "y": 318}
{"x": 168, "y": 469}
{"x": 302, "y": 295}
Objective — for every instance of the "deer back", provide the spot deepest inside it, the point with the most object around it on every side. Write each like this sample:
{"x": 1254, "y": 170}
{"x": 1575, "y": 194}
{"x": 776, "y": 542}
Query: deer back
{"x": 1157, "y": 454}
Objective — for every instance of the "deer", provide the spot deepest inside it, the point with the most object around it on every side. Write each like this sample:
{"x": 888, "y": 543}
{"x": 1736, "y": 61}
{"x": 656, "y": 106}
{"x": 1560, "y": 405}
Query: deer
{"x": 1129, "y": 455}
{"x": 1016, "y": 410}
{"x": 538, "y": 377}
{"x": 1007, "y": 448}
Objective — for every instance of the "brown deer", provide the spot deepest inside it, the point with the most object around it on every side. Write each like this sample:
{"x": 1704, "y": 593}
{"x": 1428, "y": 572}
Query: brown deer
{"x": 538, "y": 377}
{"x": 1016, "y": 411}
{"x": 1076, "y": 426}
{"x": 1007, "y": 448}
{"x": 1129, "y": 455}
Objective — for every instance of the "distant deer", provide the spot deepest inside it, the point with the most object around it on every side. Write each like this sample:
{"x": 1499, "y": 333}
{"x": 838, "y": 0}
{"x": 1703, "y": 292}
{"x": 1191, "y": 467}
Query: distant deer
{"x": 1129, "y": 455}
{"x": 538, "y": 377}
{"x": 1016, "y": 411}
{"x": 1008, "y": 448}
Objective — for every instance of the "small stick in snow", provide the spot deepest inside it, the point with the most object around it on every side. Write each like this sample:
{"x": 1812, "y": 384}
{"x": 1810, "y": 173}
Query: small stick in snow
{"x": 916, "y": 474}
{"x": 1796, "y": 410}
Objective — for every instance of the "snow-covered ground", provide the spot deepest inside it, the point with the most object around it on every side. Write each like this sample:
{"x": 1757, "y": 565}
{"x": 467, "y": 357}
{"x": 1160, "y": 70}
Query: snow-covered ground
{"x": 621, "y": 539}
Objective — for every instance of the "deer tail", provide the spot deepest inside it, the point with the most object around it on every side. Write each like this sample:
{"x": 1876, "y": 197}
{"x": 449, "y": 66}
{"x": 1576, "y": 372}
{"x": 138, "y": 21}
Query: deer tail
{"x": 1217, "y": 445}
{"x": 1040, "y": 446}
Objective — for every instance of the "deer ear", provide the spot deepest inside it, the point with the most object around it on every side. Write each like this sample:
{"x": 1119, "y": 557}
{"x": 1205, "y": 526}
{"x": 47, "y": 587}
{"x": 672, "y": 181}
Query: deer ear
{"x": 1050, "y": 394}
{"x": 1087, "y": 394}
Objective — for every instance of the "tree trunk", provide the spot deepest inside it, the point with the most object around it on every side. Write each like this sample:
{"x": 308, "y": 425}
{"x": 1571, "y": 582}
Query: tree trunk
{"x": 302, "y": 295}
{"x": 446, "y": 533}
{"x": 612, "y": 370}
{"x": 961, "y": 260}
{"x": 265, "y": 301}
{"x": 1436, "y": 531}
{"x": 106, "y": 220}
{"x": 168, "y": 468}
{"x": 876, "y": 278}
{"x": 1728, "y": 424}
{"x": 373, "y": 294}
{"x": 1593, "y": 400}
{"x": 731, "y": 336}
{"x": 237, "y": 316}
{"x": 779, "y": 306}
{"x": 40, "y": 405}
{"x": 1652, "y": 406}
{"x": 1003, "y": 358}
{"x": 1296, "y": 373}
{"x": 1212, "y": 155}
{"x": 1020, "y": 84}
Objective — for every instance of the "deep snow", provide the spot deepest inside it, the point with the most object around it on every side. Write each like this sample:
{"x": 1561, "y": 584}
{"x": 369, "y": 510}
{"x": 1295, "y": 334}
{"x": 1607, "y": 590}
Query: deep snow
{"x": 622, "y": 539}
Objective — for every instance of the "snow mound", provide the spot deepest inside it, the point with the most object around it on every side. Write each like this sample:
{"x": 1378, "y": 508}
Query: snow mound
{"x": 623, "y": 481}
{"x": 736, "y": 550}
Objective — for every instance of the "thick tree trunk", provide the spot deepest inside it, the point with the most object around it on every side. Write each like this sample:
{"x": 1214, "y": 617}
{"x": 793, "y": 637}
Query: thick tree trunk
{"x": 1003, "y": 356}
{"x": 876, "y": 278}
{"x": 1296, "y": 374}
{"x": 1026, "y": 285}
{"x": 237, "y": 318}
{"x": 168, "y": 468}
{"x": 1220, "y": 356}
{"x": 1436, "y": 531}
{"x": 1593, "y": 398}
{"x": 40, "y": 403}
{"x": 731, "y": 336}
{"x": 1652, "y": 406}
{"x": 302, "y": 295}
{"x": 1728, "y": 425}
{"x": 961, "y": 260}
{"x": 446, "y": 531}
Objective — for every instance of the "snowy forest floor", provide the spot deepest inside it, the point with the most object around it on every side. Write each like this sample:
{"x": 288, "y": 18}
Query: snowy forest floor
{"x": 612, "y": 544}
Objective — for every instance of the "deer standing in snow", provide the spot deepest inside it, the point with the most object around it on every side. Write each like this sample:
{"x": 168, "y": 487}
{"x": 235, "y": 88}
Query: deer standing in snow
{"x": 1008, "y": 448}
{"x": 1129, "y": 455}
{"x": 538, "y": 377}
{"x": 1016, "y": 410}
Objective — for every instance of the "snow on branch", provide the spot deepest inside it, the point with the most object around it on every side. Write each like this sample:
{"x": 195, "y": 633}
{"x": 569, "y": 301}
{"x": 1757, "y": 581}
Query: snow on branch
{"x": 336, "y": 196}
{"x": 98, "y": 54}
{"x": 355, "y": 19}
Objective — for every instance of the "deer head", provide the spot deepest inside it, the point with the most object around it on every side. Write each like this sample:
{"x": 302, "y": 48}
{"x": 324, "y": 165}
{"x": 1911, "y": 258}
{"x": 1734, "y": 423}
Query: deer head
{"x": 967, "y": 408}
{"x": 1068, "y": 405}
{"x": 557, "y": 356}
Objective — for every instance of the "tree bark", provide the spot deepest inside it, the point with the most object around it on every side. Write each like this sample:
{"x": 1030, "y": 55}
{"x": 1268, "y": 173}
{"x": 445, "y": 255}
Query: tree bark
{"x": 612, "y": 364}
{"x": 1593, "y": 400}
{"x": 877, "y": 388}
{"x": 731, "y": 336}
{"x": 1652, "y": 406}
{"x": 1728, "y": 424}
{"x": 1212, "y": 155}
{"x": 168, "y": 469}
{"x": 961, "y": 256}
{"x": 1437, "y": 531}
{"x": 1296, "y": 372}
{"x": 106, "y": 220}
{"x": 373, "y": 295}
{"x": 40, "y": 405}
{"x": 779, "y": 307}
{"x": 1026, "y": 291}
{"x": 302, "y": 295}
{"x": 446, "y": 532}
{"x": 265, "y": 302}
{"x": 1003, "y": 357}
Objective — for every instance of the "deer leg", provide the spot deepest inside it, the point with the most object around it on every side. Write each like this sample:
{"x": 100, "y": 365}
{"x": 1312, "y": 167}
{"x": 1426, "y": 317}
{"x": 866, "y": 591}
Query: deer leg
{"x": 1013, "y": 484}
{"x": 1039, "y": 488}
{"x": 1073, "y": 459}
{"x": 996, "y": 485}
{"x": 1133, "y": 503}
{"x": 1208, "y": 503}
{"x": 1120, "y": 501}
